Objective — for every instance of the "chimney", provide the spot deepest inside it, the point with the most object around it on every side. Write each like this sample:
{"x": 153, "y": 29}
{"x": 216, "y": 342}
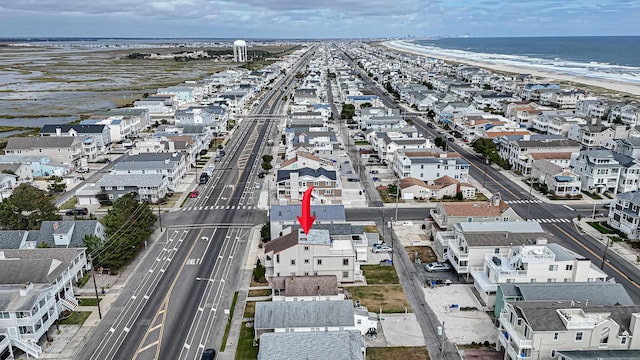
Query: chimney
{"x": 58, "y": 131}
{"x": 26, "y": 288}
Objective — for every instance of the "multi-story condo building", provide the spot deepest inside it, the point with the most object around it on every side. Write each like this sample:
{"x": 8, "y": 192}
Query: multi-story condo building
{"x": 624, "y": 215}
{"x": 541, "y": 329}
{"x": 428, "y": 165}
{"x": 315, "y": 253}
{"x": 291, "y": 185}
{"x": 626, "y": 113}
{"x": 60, "y": 150}
{"x": 36, "y": 285}
{"x": 467, "y": 245}
{"x": 520, "y": 153}
{"x": 532, "y": 263}
{"x": 605, "y": 170}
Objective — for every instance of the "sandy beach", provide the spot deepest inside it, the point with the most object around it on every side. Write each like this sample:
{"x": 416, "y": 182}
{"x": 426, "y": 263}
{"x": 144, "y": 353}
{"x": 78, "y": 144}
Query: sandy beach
{"x": 616, "y": 86}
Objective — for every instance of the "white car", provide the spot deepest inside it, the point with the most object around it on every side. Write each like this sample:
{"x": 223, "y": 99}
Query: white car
{"x": 381, "y": 248}
{"x": 437, "y": 266}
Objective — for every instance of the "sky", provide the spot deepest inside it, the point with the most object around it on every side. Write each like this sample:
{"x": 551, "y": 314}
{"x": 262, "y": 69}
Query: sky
{"x": 294, "y": 19}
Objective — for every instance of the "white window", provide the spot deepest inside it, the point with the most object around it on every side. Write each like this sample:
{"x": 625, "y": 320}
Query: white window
{"x": 568, "y": 267}
{"x": 319, "y": 261}
{"x": 293, "y": 261}
{"x": 553, "y": 267}
{"x": 306, "y": 261}
{"x": 345, "y": 274}
{"x": 4, "y": 315}
{"x": 306, "y": 248}
{"x": 579, "y": 335}
{"x": 555, "y": 336}
{"x": 553, "y": 353}
{"x": 345, "y": 262}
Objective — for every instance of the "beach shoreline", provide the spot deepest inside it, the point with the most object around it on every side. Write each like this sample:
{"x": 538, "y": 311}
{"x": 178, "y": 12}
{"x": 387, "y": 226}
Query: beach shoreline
{"x": 611, "y": 85}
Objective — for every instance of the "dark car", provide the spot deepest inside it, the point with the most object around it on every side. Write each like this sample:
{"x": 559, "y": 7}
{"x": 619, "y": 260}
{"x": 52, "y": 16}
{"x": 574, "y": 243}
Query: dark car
{"x": 77, "y": 211}
{"x": 208, "y": 354}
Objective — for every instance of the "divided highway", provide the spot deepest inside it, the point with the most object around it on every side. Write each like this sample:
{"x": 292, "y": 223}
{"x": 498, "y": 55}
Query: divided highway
{"x": 172, "y": 306}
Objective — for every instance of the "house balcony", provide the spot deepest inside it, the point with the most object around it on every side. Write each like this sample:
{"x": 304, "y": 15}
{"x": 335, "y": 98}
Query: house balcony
{"x": 511, "y": 335}
{"x": 514, "y": 355}
{"x": 4, "y": 342}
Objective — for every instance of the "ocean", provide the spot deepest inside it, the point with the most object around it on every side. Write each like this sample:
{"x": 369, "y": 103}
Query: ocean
{"x": 605, "y": 57}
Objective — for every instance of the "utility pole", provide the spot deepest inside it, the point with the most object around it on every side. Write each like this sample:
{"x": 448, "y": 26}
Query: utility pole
{"x": 95, "y": 287}
{"x": 397, "y": 197}
{"x": 526, "y": 216}
{"x": 484, "y": 177}
{"x": 604, "y": 253}
{"x": 443, "y": 337}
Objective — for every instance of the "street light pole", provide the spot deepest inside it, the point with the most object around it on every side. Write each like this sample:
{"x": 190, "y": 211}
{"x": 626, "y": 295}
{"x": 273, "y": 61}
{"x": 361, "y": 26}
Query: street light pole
{"x": 484, "y": 177}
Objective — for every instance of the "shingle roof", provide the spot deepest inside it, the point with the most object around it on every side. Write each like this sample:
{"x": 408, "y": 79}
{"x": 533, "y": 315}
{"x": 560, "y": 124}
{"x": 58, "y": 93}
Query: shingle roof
{"x": 39, "y": 266}
{"x": 12, "y": 239}
{"x": 128, "y": 180}
{"x": 30, "y": 142}
{"x": 282, "y": 243}
{"x": 322, "y": 212}
{"x": 80, "y": 229}
{"x": 305, "y": 285}
{"x": 292, "y": 314}
{"x": 65, "y": 128}
{"x": 319, "y": 345}
{"x": 315, "y": 173}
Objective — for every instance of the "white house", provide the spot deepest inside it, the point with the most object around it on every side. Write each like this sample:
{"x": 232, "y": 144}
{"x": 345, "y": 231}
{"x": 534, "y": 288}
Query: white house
{"x": 427, "y": 165}
{"x": 532, "y": 263}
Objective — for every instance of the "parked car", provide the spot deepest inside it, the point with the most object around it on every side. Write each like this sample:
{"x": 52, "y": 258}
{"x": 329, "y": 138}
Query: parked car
{"x": 437, "y": 266}
{"x": 208, "y": 354}
{"x": 82, "y": 170}
{"x": 257, "y": 185}
{"x": 194, "y": 194}
{"x": 381, "y": 248}
{"x": 77, "y": 211}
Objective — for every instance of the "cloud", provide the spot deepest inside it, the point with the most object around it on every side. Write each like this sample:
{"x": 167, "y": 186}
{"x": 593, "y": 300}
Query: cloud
{"x": 328, "y": 18}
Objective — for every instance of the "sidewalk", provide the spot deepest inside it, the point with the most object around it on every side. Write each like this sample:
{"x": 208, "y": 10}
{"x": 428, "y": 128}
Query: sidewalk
{"x": 69, "y": 340}
{"x": 622, "y": 249}
{"x": 251, "y": 253}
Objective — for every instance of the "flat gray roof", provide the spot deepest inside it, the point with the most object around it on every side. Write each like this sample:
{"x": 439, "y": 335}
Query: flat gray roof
{"x": 291, "y": 314}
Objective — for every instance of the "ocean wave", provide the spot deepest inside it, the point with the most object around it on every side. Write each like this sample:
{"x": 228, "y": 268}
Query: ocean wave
{"x": 593, "y": 69}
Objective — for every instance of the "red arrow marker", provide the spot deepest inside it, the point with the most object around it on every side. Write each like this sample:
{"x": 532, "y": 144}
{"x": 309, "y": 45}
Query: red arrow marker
{"x": 306, "y": 220}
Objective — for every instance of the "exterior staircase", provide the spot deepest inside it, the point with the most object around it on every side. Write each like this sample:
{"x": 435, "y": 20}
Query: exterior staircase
{"x": 28, "y": 347}
{"x": 69, "y": 302}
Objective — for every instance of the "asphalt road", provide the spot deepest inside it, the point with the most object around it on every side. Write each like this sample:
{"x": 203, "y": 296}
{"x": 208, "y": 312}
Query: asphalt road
{"x": 172, "y": 306}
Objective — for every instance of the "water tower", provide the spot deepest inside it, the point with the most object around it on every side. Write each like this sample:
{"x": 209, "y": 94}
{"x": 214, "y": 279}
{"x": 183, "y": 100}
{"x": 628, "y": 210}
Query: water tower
{"x": 239, "y": 51}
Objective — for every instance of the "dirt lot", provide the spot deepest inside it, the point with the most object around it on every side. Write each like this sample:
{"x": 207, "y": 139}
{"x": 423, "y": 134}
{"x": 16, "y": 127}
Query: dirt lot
{"x": 390, "y": 298}
{"x": 404, "y": 353}
{"x": 425, "y": 253}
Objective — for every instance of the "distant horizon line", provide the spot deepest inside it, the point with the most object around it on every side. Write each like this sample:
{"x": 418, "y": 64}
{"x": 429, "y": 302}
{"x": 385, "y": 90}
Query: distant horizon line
{"x": 68, "y": 38}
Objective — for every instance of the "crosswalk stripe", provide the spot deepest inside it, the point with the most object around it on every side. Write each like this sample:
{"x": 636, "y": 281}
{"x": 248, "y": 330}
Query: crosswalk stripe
{"x": 228, "y": 207}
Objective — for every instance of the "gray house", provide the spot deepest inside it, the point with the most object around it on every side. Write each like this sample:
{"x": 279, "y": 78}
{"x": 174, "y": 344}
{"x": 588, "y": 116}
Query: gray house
{"x": 61, "y": 150}
{"x": 100, "y": 134}
{"x": 60, "y": 234}
{"x": 172, "y": 165}
{"x": 335, "y": 345}
{"x": 151, "y": 187}
{"x": 282, "y": 216}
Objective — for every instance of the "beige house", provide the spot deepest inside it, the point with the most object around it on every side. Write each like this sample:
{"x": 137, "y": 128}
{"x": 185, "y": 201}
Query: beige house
{"x": 61, "y": 150}
{"x": 297, "y": 254}
{"x": 447, "y": 214}
{"x": 540, "y": 329}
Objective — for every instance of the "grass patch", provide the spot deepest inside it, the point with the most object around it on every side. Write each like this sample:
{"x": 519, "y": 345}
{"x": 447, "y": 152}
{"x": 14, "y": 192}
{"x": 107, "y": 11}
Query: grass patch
{"x": 362, "y": 142}
{"x": 250, "y": 308}
{"x": 377, "y": 275}
{"x": 69, "y": 204}
{"x": 76, "y": 318}
{"x": 85, "y": 278}
{"x": 603, "y": 229}
{"x": 88, "y": 301}
{"x": 404, "y": 353}
{"x": 245, "y": 349}
{"x": 226, "y": 329}
{"x": 425, "y": 253}
{"x": 390, "y": 298}
{"x": 370, "y": 229}
{"x": 592, "y": 195}
{"x": 260, "y": 292}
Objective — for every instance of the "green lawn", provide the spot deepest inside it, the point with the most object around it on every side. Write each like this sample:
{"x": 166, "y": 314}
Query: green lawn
{"x": 76, "y": 318}
{"x": 377, "y": 275}
{"x": 88, "y": 301}
{"x": 404, "y": 353}
{"x": 603, "y": 229}
{"x": 245, "y": 349}
{"x": 226, "y": 330}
